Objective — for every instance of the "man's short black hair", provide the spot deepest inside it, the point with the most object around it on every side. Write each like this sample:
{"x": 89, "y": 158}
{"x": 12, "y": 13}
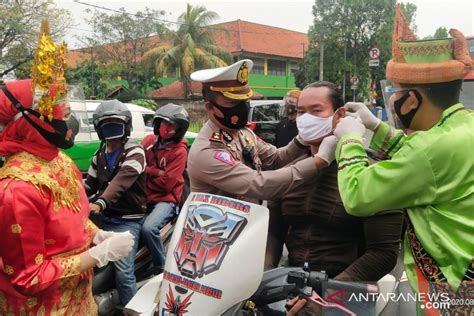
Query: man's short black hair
{"x": 335, "y": 94}
{"x": 442, "y": 94}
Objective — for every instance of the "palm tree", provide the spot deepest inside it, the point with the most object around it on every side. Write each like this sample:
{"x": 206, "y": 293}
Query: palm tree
{"x": 192, "y": 47}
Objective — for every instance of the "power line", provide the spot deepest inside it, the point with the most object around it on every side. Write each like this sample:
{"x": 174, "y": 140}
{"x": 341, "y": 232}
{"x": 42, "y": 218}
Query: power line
{"x": 79, "y": 29}
{"x": 123, "y": 12}
{"x": 168, "y": 21}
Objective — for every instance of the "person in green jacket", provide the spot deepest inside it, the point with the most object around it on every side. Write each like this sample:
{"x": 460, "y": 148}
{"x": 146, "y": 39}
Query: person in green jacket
{"x": 430, "y": 173}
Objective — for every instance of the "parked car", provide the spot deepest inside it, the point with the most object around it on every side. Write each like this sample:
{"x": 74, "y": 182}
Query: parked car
{"x": 87, "y": 142}
{"x": 264, "y": 117}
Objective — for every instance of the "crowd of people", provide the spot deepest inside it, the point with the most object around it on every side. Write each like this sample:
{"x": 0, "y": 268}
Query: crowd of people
{"x": 330, "y": 204}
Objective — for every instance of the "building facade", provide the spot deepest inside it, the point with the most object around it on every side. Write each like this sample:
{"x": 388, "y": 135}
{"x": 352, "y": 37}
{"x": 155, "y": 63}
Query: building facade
{"x": 276, "y": 53}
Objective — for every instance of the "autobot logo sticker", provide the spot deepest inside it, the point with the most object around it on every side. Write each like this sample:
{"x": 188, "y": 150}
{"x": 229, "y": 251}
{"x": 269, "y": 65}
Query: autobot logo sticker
{"x": 207, "y": 235}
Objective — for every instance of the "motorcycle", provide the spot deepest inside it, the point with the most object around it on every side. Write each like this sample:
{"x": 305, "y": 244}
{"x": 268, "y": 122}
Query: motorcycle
{"x": 214, "y": 266}
{"x": 103, "y": 285}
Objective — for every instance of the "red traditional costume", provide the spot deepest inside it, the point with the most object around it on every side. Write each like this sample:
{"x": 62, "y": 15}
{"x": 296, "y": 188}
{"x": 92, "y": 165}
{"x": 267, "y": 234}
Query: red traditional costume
{"x": 44, "y": 219}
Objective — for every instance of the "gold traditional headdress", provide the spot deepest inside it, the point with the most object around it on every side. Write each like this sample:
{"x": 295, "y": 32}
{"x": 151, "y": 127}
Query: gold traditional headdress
{"x": 48, "y": 72}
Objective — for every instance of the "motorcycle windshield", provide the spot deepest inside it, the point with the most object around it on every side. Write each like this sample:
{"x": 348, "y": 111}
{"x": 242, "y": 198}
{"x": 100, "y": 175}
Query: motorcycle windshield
{"x": 216, "y": 256}
{"x": 76, "y": 100}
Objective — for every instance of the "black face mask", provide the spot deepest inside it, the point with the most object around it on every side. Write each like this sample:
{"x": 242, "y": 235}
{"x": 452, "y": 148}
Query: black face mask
{"x": 407, "y": 118}
{"x": 62, "y": 137}
{"x": 240, "y": 113}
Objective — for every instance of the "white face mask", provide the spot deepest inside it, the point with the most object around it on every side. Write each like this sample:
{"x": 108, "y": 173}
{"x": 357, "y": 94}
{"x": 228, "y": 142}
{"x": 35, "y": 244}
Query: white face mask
{"x": 312, "y": 127}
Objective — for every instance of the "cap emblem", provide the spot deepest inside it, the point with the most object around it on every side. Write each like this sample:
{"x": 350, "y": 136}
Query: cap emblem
{"x": 243, "y": 74}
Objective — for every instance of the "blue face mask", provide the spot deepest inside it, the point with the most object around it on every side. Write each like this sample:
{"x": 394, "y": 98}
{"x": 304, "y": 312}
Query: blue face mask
{"x": 113, "y": 130}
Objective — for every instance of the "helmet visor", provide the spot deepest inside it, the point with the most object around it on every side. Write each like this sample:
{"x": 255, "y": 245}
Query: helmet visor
{"x": 113, "y": 130}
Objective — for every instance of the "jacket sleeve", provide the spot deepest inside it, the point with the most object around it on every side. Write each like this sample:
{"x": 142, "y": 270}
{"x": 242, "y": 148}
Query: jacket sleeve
{"x": 91, "y": 184}
{"x": 278, "y": 131}
{"x": 24, "y": 256}
{"x": 132, "y": 167}
{"x": 236, "y": 178}
{"x": 151, "y": 170}
{"x": 173, "y": 170}
{"x": 407, "y": 180}
{"x": 387, "y": 140}
{"x": 273, "y": 158}
{"x": 382, "y": 235}
{"x": 277, "y": 230}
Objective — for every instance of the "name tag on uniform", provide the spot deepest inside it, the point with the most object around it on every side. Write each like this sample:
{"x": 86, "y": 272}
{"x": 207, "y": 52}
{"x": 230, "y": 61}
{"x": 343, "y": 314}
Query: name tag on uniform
{"x": 225, "y": 157}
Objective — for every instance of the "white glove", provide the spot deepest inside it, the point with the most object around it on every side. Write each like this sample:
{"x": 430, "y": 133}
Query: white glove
{"x": 349, "y": 125}
{"x": 327, "y": 149}
{"x": 368, "y": 119}
{"x": 112, "y": 249}
{"x": 102, "y": 235}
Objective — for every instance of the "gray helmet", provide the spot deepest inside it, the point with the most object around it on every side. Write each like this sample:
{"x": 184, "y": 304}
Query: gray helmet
{"x": 175, "y": 114}
{"x": 112, "y": 109}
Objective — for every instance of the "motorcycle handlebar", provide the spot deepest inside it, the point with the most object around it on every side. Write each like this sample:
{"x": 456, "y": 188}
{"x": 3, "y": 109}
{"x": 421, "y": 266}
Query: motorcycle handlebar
{"x": 353, "y": 287}
{"x": 319, "y": 282}
{"x": 277, "y": 284}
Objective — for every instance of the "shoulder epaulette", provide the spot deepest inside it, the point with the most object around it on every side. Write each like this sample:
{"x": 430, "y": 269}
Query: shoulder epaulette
{"x": 216, "y": 137}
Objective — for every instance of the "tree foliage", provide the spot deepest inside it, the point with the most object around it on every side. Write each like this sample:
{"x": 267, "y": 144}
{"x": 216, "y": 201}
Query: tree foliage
{"x": 19, "y": 27}
{"x": 348, "y": 29}
{"x": 92, "y": 78}
{"x": 192, "y": 47}
{"x": 124, "y": 38}
{"x": 147, "y": 103}
{"x": 441, "y": 32}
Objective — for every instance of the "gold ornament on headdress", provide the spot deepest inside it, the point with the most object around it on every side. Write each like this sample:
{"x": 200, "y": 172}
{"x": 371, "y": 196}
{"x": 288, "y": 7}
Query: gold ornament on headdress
{"x": 48, "y": 72}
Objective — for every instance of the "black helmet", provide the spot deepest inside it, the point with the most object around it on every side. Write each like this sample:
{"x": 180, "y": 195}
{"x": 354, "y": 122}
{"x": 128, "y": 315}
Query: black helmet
{"x": 175, "y": 114}
{"x": 112, "y": 109}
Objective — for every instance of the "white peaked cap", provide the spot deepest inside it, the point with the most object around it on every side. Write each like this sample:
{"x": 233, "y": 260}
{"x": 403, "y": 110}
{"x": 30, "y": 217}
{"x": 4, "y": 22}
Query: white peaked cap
{"x": 221, "y": 73}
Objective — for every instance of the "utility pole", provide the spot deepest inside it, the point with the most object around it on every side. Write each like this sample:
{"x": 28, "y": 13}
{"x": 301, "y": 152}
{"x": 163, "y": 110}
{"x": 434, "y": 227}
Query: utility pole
{"x": 93, "y": 73}
{"x": 304, "y": 66}
{"x": 321, "y": 58}
{"x": 344, "y": 80}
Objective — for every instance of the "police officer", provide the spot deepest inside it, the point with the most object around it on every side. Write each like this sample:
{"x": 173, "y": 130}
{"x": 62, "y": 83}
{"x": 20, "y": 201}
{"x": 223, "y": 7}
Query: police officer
{"x": 228, "y": 159}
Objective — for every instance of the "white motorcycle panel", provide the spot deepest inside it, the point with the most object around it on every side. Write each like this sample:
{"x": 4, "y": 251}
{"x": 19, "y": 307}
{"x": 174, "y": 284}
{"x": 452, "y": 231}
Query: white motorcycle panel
{"x": 216, "y": 255}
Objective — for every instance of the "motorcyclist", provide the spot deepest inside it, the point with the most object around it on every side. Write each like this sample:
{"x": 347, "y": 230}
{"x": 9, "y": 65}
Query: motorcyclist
{"x": 116, "y": 179}
{"x": 166, "y": 154}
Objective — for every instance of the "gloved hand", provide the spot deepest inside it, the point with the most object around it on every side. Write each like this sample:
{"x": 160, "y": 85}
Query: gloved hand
{"x": 349, "y": 125}
{"x": 102, "y": 235}
{"x": 368, "y": 119}
{"x": 327, "y": 149}
{"x": 112, "y": 249}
